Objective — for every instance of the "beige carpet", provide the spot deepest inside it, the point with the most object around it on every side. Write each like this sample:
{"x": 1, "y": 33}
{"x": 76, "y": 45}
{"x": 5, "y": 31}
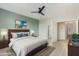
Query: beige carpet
{"x": 6, "y": 52}
{"x": 44, "y": 52}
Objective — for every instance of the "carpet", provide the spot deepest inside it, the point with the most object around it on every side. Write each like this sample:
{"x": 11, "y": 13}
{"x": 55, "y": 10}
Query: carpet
{"x": 44, "y": 52}
{"x": 6, "y": 52}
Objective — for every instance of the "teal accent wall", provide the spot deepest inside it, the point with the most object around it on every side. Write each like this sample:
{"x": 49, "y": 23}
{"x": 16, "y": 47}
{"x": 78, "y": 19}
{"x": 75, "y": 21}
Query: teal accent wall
{"x": 7, "y": 21}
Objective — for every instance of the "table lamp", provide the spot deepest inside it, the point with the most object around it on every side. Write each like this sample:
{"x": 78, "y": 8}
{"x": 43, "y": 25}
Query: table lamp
{"x": 32, "y": 32}
{"x": 3, "y": 34}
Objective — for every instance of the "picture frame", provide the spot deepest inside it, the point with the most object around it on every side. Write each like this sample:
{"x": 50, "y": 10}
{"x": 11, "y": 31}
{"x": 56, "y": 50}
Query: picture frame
{"x": 20, "y": 24}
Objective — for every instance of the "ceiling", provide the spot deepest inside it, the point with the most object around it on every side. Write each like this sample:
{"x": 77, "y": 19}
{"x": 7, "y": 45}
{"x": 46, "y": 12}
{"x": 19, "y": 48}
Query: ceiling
{"x": 51, "y": 9}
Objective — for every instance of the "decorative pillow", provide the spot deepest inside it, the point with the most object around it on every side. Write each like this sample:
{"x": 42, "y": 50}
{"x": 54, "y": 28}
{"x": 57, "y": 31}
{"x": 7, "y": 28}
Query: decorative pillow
{"x": 26, "y": 33}
{"x": 22, "y": 35}
{"x": 19, "y": 34}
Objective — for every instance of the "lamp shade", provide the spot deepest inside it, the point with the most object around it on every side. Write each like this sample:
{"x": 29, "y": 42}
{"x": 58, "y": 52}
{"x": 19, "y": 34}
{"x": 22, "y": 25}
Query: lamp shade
{"x": 3, "y": 32}
{"x": 32, "y": 32}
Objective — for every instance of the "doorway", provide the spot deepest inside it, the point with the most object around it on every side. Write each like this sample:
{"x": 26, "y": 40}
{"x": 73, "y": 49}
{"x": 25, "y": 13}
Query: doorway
{"x": 61, "y": 30}
{"x": 65, "y": 29}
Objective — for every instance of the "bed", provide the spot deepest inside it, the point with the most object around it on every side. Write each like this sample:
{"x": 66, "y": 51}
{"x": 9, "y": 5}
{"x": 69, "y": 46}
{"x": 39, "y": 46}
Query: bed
{"x": 25, "y": 45}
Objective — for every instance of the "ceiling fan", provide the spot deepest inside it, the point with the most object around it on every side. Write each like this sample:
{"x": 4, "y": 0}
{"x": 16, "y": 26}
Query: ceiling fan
{"x": 39, "y": 11}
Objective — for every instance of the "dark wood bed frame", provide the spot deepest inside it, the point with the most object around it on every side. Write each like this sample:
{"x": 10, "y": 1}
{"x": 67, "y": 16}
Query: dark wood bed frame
{"x": 31, "y": 53}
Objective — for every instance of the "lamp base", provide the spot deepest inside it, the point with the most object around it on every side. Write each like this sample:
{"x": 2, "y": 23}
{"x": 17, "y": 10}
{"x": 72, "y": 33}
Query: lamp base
{"x": 3, "y": 37}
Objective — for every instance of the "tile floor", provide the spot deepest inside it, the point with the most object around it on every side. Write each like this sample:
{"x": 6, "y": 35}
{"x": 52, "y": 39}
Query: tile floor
{"x": 61, "y": 48}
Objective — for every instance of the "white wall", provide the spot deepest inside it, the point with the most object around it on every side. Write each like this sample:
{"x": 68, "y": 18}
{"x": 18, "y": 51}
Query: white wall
{"x": 54, "y": 30}
{"x": 43, "y": 28}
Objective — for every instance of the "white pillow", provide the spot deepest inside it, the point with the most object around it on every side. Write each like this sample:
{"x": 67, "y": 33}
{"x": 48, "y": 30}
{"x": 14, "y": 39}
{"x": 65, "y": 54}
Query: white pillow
{"x": 14, "y": 35}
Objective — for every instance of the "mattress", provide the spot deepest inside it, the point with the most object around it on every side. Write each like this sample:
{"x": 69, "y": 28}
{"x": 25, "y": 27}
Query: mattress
{"x": 24, "y": 45}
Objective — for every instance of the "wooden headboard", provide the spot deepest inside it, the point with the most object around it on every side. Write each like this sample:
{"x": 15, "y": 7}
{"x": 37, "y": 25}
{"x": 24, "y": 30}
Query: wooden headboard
{"x": 16, "y": 30}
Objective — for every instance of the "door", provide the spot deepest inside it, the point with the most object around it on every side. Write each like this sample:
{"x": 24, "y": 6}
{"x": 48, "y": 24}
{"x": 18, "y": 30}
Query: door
{"x": 61, "y": 31}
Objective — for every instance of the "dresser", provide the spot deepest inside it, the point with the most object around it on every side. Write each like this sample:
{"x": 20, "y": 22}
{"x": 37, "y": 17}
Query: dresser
{"x": 72, "y": 50}
{"x": 3, "y": 44}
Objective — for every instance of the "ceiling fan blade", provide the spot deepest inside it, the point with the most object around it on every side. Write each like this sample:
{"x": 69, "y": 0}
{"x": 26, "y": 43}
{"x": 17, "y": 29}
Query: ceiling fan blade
{"x": 42, "y": 13}
{"x": 34, "y": 12}
{"x": 43, "y": 7}
{"x": 40, "y": 9}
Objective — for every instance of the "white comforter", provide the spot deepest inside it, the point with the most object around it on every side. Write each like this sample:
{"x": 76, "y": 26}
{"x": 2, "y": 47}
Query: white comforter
{"x": 24, "y": 45}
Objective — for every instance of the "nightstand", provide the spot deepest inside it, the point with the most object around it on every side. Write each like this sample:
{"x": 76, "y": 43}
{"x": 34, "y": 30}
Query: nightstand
{"x": 3, "y": 44}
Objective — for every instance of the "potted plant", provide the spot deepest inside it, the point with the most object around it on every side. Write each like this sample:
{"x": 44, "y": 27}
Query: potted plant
{"x": 75, "y": 39}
